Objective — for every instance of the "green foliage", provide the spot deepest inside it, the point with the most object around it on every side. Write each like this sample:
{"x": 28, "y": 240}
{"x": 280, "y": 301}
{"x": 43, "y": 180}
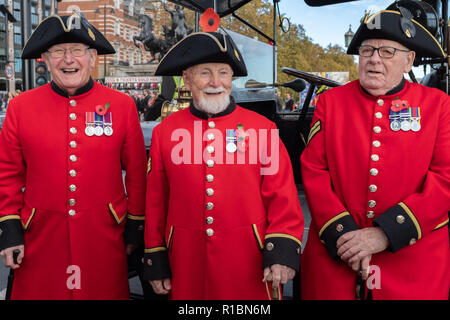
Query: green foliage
{"x": 295, "y": 49}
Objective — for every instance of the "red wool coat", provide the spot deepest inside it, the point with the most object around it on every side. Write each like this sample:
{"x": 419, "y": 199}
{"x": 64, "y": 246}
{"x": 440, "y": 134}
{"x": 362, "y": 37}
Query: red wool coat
{"x": 74, "y": 205}
{"x": 209, "y": 217}
{"x": 359, "y": 173}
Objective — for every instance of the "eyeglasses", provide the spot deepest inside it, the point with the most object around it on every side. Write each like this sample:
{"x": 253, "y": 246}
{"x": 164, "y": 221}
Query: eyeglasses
{"x": 76, "y": 52}
{"x": 384, "y": 52}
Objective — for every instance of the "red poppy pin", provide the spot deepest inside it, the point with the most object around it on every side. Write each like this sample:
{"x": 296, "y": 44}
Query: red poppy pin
{"x": 398, "y": 104}
{"x": 209, "y": 21}
{"x": 101, "y": 110}
{"x": 242, "y": 138}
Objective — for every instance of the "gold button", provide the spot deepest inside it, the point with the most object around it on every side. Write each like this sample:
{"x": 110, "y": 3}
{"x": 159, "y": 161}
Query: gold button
{"x": 376, "y": 143}
{"x": 378, "y": 115}
{"x": 140, "y": 227}
{"x": 72, "y": 202}
{"x": 211, "y": 136}
{"x": 209, "y": 206}
{"x": 380, "y": 102}
{"x": 73, "y": 130}
{"x": 73, "y": 144}
{"x": 72, "y": 173}
{"x": 210, "y": 149}
{"x": 72, "y": 212}
{"x": 73, "y": 158}
{"x": 72, "y": 187}
{"x": 377, "y": 129}
{"x": 210, "y": 163}
{"x": 209, "y": 232}
{"x": 270, "y": 246}
{"x": 209, "y": 178}
{"x": 73, "y": 103}
{"x": 400, "y": 219}
{"x": 339, "y": 227}
{"x": 373, "y": 188}
{"x": 73, "y": 116}
{"x": 373, "y": 172}
{"x": 370, "y": 214}
{"x": 149, "y": 262}
{"x": 211, "y": 124}
{"x": 209, "y": 220}
{"x": 412, "y": 241}
{"x": 375, "y": 157}
{"x": 372, "y": 203}
{"x": 210, "y": 192}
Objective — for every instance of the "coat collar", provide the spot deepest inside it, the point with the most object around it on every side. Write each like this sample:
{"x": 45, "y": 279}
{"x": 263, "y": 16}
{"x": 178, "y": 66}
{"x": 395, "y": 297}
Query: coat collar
{"x": 88, "y": 86}
{"x": 394, "y": 90}
{"x": 203, "y": 115}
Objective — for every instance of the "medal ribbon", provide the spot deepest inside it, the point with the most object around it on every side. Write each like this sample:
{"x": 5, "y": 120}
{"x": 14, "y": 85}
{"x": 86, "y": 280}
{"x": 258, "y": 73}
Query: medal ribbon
{"x": 89, "y": 118}
{"x": 415, "y": 113}
{"x": 108, "y": 118}
{"x": 98, "y": 119}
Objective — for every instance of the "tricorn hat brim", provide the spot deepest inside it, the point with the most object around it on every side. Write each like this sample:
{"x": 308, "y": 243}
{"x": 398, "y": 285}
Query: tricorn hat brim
{"x": 65, "y": 29}
{"x": 391, "y": 25}
{"x": 202, "y": 47}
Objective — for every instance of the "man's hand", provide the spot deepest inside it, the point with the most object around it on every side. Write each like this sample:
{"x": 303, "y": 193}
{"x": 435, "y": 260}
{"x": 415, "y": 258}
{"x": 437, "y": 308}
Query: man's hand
{"x": 130, "y": 248}
{"x": 7, "y": 256}
{"x": 357, "y": 247}
{"x": 278, "y": 274}
{"x": 161, "y": 286}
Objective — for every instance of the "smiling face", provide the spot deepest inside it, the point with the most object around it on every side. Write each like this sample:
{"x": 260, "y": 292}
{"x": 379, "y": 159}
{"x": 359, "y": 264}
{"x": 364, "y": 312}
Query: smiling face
{"x": 210, "y": 85}
{"x": 379, "y": 75}
{"x": 69, "y": 72}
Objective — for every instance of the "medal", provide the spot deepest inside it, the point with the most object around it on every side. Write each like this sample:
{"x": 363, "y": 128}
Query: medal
{"x": 394, "y": 119}
{"x": 89, "y": 130}
{"x": 395, "y": 125}
{"x": 107, "y": 130}
{"x": 415, "y": 116}
{"x": 98, "y": 130}
{"x": 231, "y": 141}
{"x": 405, "y": 117}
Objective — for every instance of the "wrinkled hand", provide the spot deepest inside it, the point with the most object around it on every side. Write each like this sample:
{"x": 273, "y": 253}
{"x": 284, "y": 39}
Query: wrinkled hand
{"x": 161, "y": 286}
{"x": 7, "y": 256}
{"x": 357, "y": 247}
{"x": 278, "y": 274}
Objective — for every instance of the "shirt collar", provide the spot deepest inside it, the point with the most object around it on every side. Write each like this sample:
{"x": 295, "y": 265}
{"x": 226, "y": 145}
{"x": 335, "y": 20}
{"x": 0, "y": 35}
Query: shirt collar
{"x": 88, "y": 86}
{"x": 203, "y": 115}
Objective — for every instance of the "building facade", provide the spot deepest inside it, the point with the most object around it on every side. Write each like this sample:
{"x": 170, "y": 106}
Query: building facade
{"x": 21, "y": 18}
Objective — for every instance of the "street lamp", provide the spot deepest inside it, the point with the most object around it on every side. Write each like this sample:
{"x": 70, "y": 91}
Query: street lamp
{"x": 104, "y": 33}
{"x": 348, "y": 36}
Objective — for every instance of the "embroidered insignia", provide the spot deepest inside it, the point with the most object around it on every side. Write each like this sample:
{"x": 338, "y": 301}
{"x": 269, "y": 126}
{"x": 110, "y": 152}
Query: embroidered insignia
{"x": 91, "y": 34}
{"x": 149, "y": 165}
{"x": 314, "y": 130}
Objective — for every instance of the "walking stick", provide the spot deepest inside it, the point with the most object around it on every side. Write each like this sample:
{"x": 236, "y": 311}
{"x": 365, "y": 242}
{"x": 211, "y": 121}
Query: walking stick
{"x": 11, "y": 275}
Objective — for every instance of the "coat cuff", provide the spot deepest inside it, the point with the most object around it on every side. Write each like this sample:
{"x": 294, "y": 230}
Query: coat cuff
{"x": 282, "y": 249}
{"x": 11, "y": 232}
{"x": 134, "y": 229}
{"x": 400, "y": 225}
{"x": 334, "y": 229}
{"x": 156, "y": 264}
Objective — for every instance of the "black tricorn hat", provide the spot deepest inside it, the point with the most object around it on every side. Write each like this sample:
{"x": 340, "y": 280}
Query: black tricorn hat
{"x": 65, "y": 29}
{"x": 202, "y": 47}
{"x": 400, "y": 27}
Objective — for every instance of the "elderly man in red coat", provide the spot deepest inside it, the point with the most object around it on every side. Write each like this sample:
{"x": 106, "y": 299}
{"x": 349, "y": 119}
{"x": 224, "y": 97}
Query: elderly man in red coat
{"x": 223, "y": 217}
{"x": 63, "y": 147}
{"x": 376, "y": 173}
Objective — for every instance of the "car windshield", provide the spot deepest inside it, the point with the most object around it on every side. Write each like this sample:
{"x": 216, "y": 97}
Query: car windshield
{"x": 258, "y": 57}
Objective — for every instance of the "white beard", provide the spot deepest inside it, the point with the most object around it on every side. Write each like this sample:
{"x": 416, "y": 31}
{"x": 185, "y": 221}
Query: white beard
{"x": 213, "y": 105}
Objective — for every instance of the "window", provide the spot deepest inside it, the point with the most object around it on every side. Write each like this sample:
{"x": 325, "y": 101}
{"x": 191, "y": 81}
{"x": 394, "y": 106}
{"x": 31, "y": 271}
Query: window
{"x": 17, "y": 35}
{"x": 116, "y": 27}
